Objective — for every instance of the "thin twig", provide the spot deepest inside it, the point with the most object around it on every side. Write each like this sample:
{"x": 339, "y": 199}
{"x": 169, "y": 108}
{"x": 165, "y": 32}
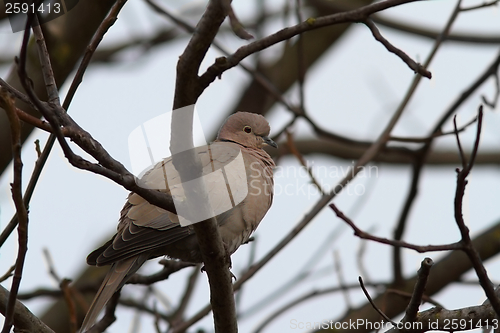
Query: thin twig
{"x": 368, "y": 297}
{"x": 493, "y": 103}
{"x": 67, "y": 290}
{"x": 419, "y": 248}
{"x": 236, "y": 25}
{"x": 169, "y": 267}
{"x": 417, "y": 68}
{"x": 177, "y": 316}
{"x": 357, "y": 15}
{"x": 7, "y": 274}
{"x": 419, "y": 157}
{"x": 425, "y": 298}
{"x": 108, "y": 21}
{"x": 68, "y": 297}
{"x": 460, "y": 150}
{"x": 7, "y": 103}
{"x": 258, "y": 77}
{"x": 301, "y": 299}
{"x": 50, "y": 264}
{"x": 468, "y": 247}
{"x": 433, "y": 135}
{"x": 301, "y": 64}
{"x": 483, "y": 5}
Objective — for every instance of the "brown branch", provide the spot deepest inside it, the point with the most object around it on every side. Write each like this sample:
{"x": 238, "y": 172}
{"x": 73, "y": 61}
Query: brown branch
{"x": 19, "y": 95}
{"x": 301, "y": 68}
{"x": 107, "y": 166}
{"x": 401, "y": 225}
{"x": 375, "y": 307}
{"x": 421, "y": 31}
{"x": 367, "y": 156}
{"x": 68, "y": 297}
{"x": 187, "y": 92}
{"x": 24, "y": 320}
{"x": 66, "y": 289}
{"x": 301, "y": 299}
{"x": 7, "y": 103}
{"x": 258, "y": 77}
{"x": 419, "y": 248}
{"x": 493, "y": 103}
{"x": 417, "y": 68}
{"x": 109, "y": 315}
{"x": 357, "y": 15}
{"x": 103, "y": 28}
{"x": 40, "y": 163}
{"x": 434, "y": 135}
{"x": 418, "y": 293}
{"x": 447, "y": 270}
{"x": 425, "y": 298}
{"x": 236, "y": 25}
{"x": 33, "y": 121}
{"x": 178, "y": 314}
{"x": 130, "y": 303}
{"x": 483, "y": 5}
{"x": 468, "y": 247}
{"x": 169, "y": 267}
{"x": 421, "y": 154}
{"x": 7, "y": 274}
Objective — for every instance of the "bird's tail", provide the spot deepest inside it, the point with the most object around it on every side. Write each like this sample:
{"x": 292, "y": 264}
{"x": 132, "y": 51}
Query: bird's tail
{"x": 115, "y": 279}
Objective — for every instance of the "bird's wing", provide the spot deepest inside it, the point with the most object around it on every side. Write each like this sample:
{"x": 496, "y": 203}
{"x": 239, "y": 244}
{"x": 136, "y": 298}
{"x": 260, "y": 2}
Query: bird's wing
{"x": 145, "y": 227}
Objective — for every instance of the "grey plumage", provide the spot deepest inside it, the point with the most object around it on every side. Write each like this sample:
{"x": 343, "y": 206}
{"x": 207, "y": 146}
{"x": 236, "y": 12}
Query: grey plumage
{"x": 146, "y": 231}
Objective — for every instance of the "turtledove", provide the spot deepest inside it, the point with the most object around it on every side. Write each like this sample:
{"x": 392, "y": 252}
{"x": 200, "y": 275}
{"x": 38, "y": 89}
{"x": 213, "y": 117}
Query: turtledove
{"x": 146, "y": 231}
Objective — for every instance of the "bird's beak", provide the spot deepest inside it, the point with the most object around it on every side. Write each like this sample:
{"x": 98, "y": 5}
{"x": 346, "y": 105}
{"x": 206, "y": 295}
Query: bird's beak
{"x": 270, "y": 142}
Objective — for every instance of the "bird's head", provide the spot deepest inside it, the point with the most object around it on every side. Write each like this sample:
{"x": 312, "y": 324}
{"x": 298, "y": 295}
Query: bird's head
{"x": 247, "y": 129}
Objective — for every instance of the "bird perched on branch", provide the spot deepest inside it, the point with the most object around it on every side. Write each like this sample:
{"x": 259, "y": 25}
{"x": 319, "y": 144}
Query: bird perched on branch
{"x": 146, "y": 231}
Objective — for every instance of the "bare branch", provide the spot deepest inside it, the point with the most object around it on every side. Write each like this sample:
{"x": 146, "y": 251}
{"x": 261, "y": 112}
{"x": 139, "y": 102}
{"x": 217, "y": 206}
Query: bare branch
{"x": 368, "y": 297}
{"x": 236, "y": 25}
{"x": 483, "y": 5}
{"x": 23, "y": 318}
{"x": 419, "y": 248}
{"x": 418, "y": 293}
{"x": 169, "y": 267}
{"x": 493, "y": 103}
{"x": 468, "y": 247}
{"x": 357, "y": 15}
{"x": 7, "y": 103}
{"x": 417, "y": 68}
{"x": 8, "y": 274}
{"x": 109, "y": 315}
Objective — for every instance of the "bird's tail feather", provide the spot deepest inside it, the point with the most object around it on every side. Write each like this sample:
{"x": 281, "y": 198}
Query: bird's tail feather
{"x": 115, "y": 279}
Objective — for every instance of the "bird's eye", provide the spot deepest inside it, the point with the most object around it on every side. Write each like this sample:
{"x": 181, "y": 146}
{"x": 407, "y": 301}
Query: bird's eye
{"x": 247, "y": 129}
